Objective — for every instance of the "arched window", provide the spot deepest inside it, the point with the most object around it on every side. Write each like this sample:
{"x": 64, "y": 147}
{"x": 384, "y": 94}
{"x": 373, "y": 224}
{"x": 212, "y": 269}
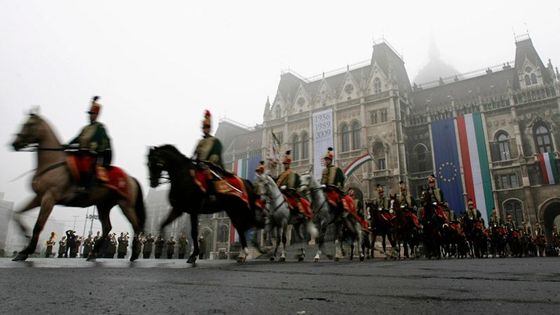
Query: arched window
{"x": 542, "y": 139}
{"x": 533, "y": 78}
{"x": 527, "y": 80}
{"x": 304, "y": 145}
{"x": 356, "y": 135}
{"x": 514, "y": 208}
{"x": 421, "y": 157}
{"x": 223, "y": 233}
{"x": 295, "y": 147}
{"x": 376, "y": 86}
{"x": 345, "y": 134}
{"x": 379, "y": 156}
{"x": 502, "y": 138}
{"x": 278, "y": 112}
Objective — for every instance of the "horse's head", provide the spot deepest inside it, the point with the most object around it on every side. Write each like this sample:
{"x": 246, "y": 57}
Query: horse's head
{"x": 30, "y": 133}
{"x": 393, "y": 202}
{"x": 156, "y": 165}
{"x": 266, "y": 184}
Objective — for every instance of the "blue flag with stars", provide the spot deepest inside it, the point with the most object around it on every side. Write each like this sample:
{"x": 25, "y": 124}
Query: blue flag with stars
{"x": 447, "y": 168}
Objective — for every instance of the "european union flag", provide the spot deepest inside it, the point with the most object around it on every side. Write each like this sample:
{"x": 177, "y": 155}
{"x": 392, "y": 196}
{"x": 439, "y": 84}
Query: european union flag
{"x": 447, "y": 167}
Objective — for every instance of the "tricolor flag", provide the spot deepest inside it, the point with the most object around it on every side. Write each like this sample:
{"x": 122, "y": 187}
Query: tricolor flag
{"x": 478, "y": 183}
{"x": 245, "y": 168}
{"x": 549, "y": 169}
{"x": 354, "y": 165}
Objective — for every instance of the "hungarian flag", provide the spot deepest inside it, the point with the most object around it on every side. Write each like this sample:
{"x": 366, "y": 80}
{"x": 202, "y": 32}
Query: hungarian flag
{"x": 549, "y": 169}
{"x": 478, "y": 182}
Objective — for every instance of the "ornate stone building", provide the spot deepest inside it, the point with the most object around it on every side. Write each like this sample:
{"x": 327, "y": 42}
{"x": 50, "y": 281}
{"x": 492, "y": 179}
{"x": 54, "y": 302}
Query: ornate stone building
{"x": 376, "y": 109}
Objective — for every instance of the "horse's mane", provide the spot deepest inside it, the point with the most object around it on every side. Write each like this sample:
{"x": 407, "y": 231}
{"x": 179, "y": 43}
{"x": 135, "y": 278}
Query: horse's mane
{"x": 173, "y": 150}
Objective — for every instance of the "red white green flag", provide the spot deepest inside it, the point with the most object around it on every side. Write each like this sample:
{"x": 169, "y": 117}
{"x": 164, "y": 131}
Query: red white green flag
{"x": 549, "y": 169}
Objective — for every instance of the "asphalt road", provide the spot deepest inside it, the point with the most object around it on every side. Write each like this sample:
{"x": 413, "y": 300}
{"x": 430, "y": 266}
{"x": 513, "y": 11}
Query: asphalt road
{"x": 74, "y": 286}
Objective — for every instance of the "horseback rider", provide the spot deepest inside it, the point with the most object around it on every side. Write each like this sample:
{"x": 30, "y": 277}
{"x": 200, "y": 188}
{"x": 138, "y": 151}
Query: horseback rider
{"x": 435, "y": 193}
{"x": 471, "y": 216}
{"x": 289, "y": 183}
{"x": 94, "y": 146}
{"x": 332, "y": 176}
{"x": 209, "y": 148}
{"x": 209, "y": 152}
{"x": 333, "y": 181}
{"x": 405, "y": 199}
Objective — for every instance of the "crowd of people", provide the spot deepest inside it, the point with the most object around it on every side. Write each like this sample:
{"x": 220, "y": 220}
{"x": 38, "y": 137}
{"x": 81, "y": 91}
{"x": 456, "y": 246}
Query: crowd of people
{"x": 71, "y": 245}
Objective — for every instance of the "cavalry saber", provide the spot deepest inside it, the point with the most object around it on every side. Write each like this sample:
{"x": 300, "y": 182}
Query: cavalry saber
{"x": 230, "y": 185}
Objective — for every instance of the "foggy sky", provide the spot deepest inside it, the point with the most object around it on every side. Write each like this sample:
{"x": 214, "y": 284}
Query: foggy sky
{"x": 158, "y": 65}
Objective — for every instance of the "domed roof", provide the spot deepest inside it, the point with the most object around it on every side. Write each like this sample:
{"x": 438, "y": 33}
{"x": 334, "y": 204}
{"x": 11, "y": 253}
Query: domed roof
{"x": 435, "y": 68}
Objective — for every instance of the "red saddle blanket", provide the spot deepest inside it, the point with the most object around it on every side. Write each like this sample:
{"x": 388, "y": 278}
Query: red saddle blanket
{"x": 388, "y": 216}
{"x": 413, "y": 217}
{"x": 301, "y": 205}
{"x": 334, "y": 198}
{"x": 457, "y": 227}
{"x": 228, "y": 185}
{"x": 114, "y": 178}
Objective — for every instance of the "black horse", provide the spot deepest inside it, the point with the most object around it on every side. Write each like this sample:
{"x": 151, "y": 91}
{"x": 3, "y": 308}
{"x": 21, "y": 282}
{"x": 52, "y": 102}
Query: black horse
{"x": 433, "y": 219}
{"x": 185, "y": 195}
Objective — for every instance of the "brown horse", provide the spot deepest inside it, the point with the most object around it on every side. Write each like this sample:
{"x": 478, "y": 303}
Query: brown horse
{"x": 53, "y": 185}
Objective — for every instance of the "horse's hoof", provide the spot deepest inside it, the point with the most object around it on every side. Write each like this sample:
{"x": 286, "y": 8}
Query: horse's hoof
{"x": 191, "y": 260}
{"x": 337, "y": 259}
{"x": 241, "y": 260}
{"x": 20, "y": 257}
{"x": 271, "y": 258}
{"x": 282, "y": 259}
{"x": 362, "y": 258}
{"x": 300, "y": 258}
{"x": 315, "y": 259}
{"x": 91, "y": 258}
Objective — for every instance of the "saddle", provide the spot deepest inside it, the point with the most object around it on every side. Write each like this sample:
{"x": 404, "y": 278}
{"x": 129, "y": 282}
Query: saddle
{"x": 299, "y": 205}
{"x": 224, "y": 183}
{"x": 113, "y": 178}
{"x": 336, "y": 197}
{"x": 413, "y": 217}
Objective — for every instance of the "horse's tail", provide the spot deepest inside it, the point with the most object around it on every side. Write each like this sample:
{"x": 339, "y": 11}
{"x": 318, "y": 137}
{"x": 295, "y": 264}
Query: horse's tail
{"x": 139, "y": 206}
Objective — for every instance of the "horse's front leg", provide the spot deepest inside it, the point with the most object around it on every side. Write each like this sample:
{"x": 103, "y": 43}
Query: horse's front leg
{"x": 194, "y": 236}
{"x": 31, "y": 204}
{"x": 47, "y": 204}
{"x": 244, "y": 249}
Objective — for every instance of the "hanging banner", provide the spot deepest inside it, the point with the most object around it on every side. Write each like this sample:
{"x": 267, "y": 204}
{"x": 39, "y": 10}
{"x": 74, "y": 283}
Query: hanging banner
{"x": 323, "y": 138}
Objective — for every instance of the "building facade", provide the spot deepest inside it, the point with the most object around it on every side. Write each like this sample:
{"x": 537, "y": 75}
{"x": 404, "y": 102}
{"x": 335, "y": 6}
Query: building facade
{"x": 376, "y": 109}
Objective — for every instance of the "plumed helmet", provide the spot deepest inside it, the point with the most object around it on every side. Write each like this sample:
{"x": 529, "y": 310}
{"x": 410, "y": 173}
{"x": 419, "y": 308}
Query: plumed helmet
{"x": 207, "y": 121}
{"x": 330, "y": 154}
{"x": 260, "y": 168}
{"x": 95, "y": 107}
{"x": 287, "y": 158}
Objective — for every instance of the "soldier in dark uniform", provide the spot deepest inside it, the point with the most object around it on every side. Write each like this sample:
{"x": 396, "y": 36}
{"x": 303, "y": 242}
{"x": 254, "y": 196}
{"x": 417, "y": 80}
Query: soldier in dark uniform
{"x": 88, "y": 245}
{"x": 94, "y": 146}
{"x": 50, "y": 243}
{"x": 148, "y": 246}
{"x": 289, "y": 182}
{"x": 171, "y": 247}
{"x": 62, "y": 247}
{"x": 111, "y": 247}
{"x": 77, "y": 244}
{"x": 182, "y": 248}
{"x": 123, "y": 245}
{"x": 70, "y": 244}
{"x": 201, "y": 247}
{"x": 382, "y": 202}
{"x": 159, "y": 246}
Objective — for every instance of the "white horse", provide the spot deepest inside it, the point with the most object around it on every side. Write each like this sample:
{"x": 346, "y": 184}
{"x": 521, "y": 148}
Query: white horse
{"x": 278, "y": 212}
{"x": 346, "y": 225}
